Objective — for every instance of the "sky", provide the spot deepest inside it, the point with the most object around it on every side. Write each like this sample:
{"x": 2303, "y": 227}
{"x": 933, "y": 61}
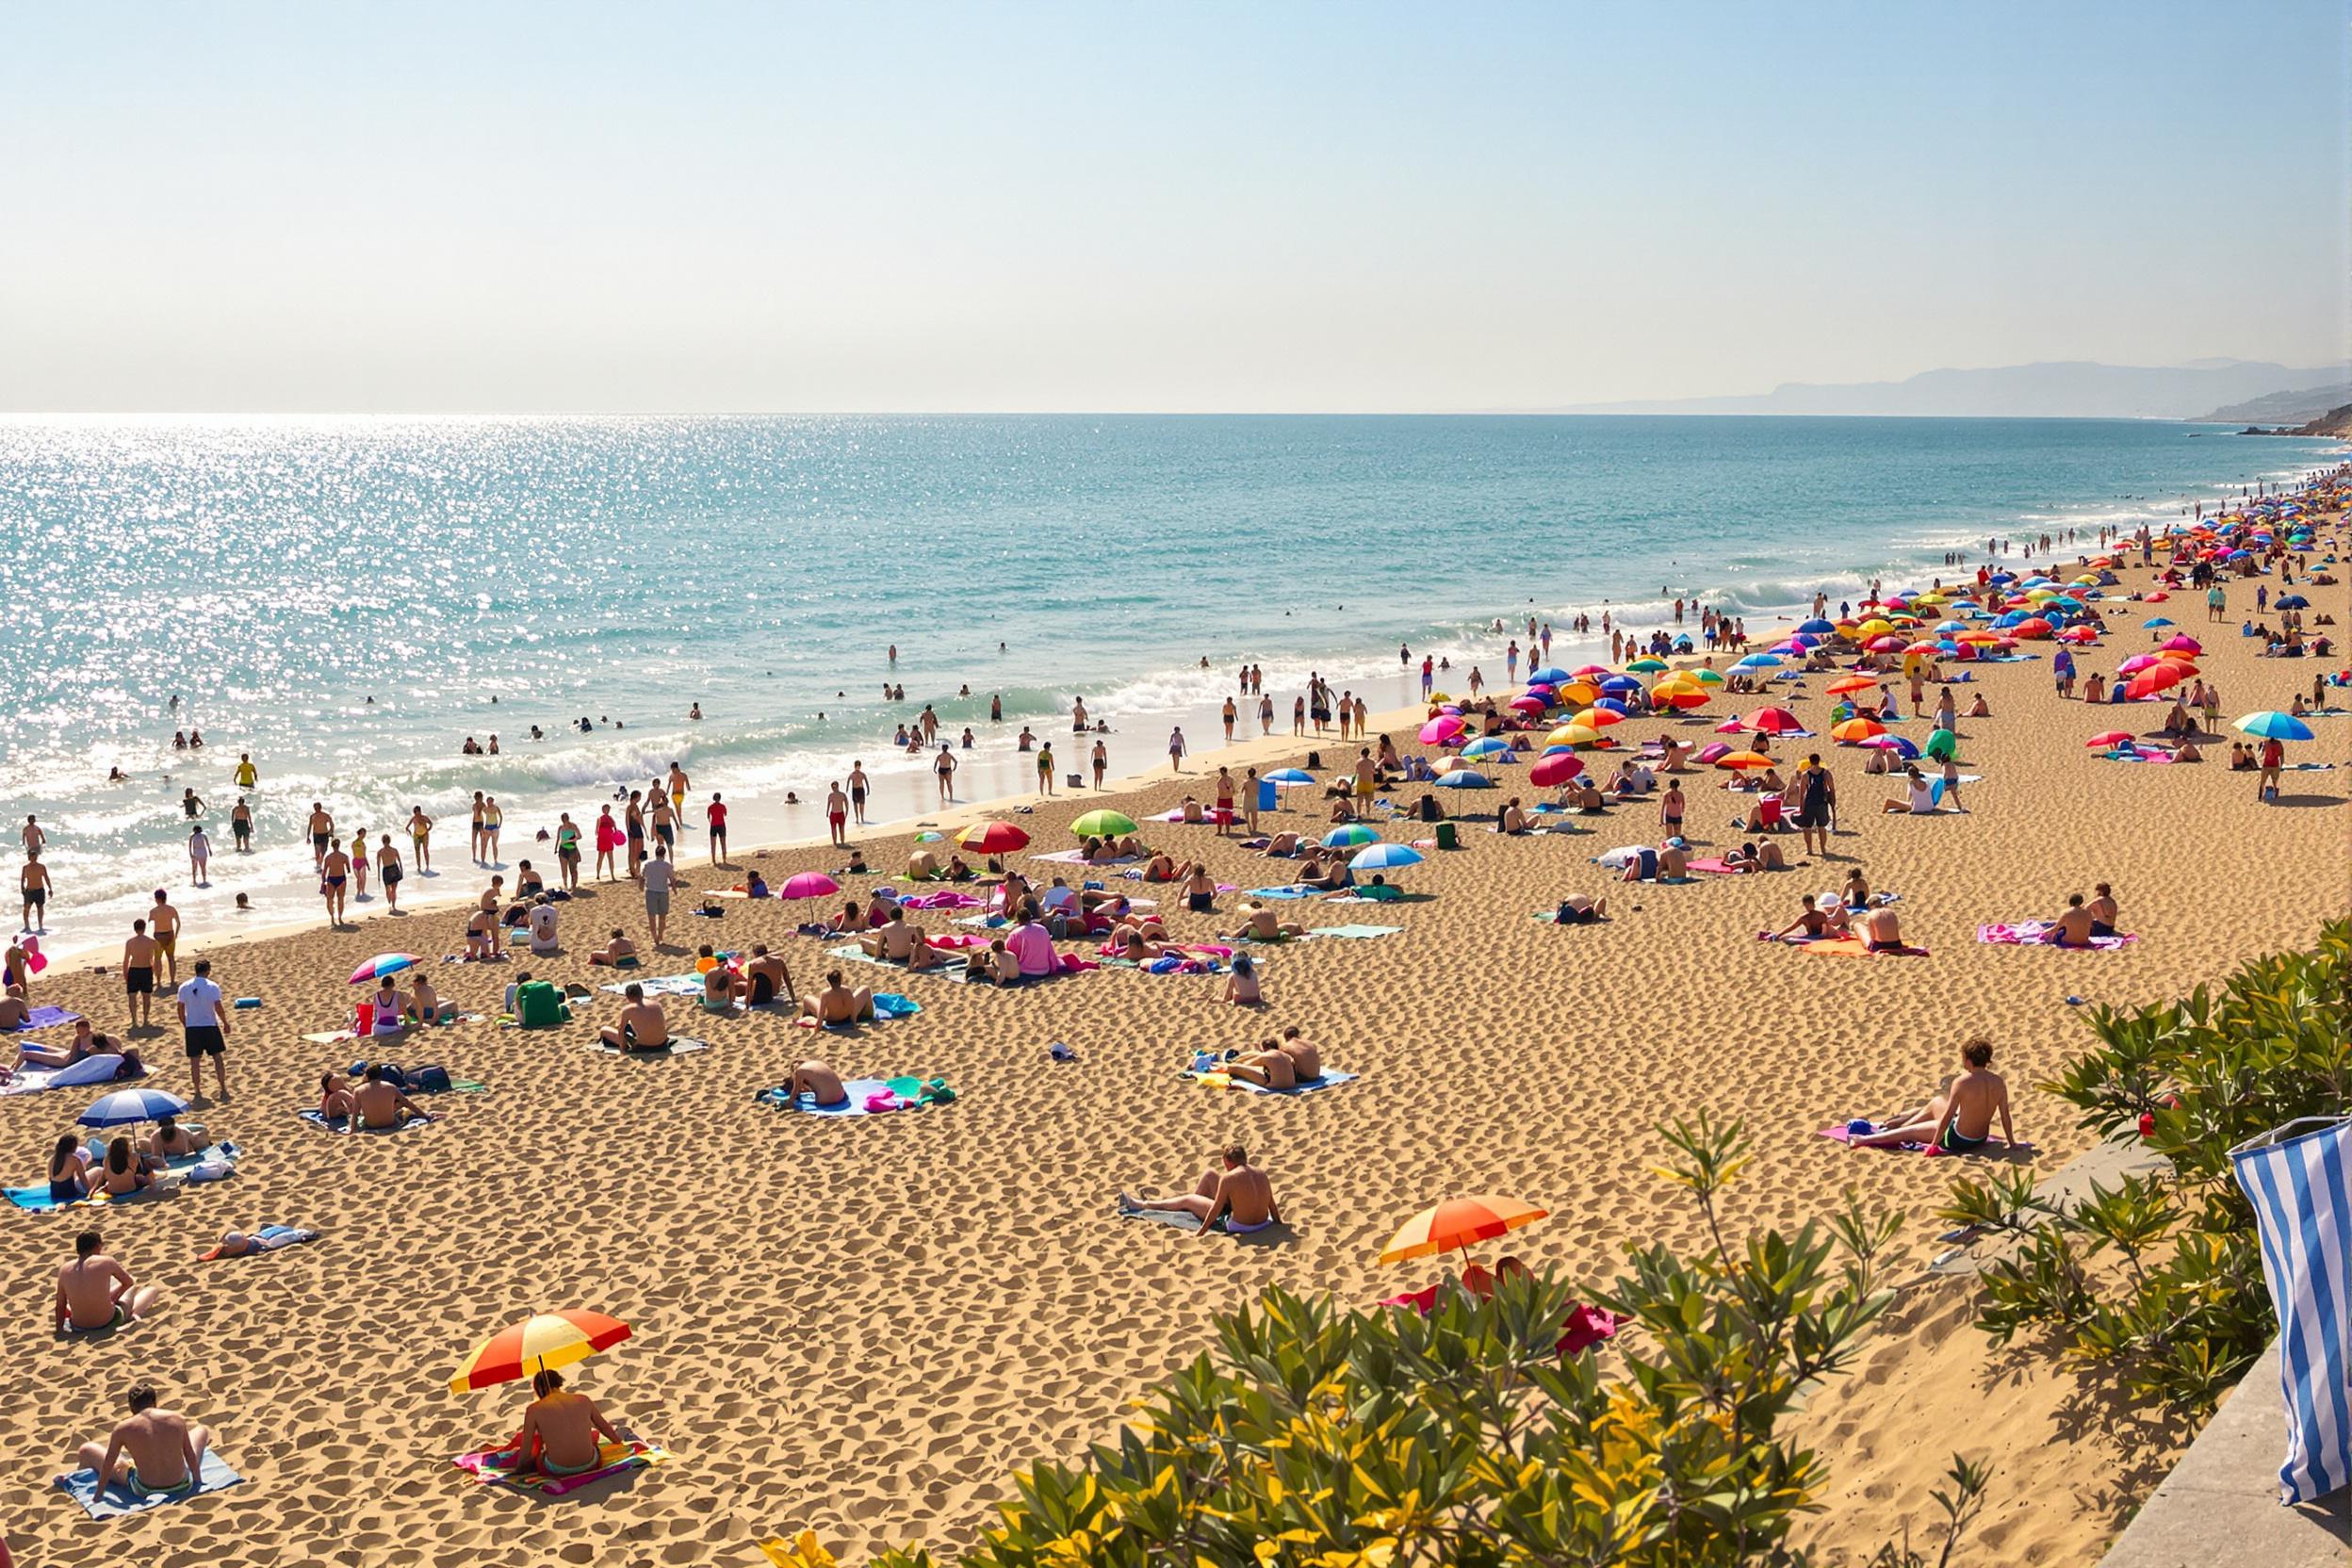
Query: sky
{"x": 705, "y": 206}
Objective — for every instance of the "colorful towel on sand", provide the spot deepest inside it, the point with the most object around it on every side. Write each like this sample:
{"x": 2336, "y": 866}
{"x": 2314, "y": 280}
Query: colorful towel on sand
{"x": 270, "y": 1238}
{"x": 661, "y": 985}
{"x": 866, "y": 1097}
{"x": 2041, "y": 933}
{"x": 213, "y": 1475}
{"x": 1839, "y": 1134}
{"x": 216, "y": 1164}
{"x": 1715, "y": 865}
{"x": 104, "y": 1068}
{"x": 949, "y": 900}
{"x": 1293, "y": 890}
{"x": 1382, "y": 894}
{"x": 1852, "y": 947}
{"x": 48, "y": 1017}
{"x": 1078, "y": 858}
{"x": 680, "y": 1045}
{"x": 613, "y": 1459}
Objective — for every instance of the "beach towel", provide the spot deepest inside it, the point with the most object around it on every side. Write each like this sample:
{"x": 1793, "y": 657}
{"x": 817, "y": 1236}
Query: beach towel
{"x": 1381, "y": 894}
{"x": 271, "y": 1238}
{"x": 216, "y": 1164}
{"x": 1078, "y": 858}
{"x": 661, "y": 985}
{"x": 2294, "y": 1178}
{"x": 48, "y": 1017}
{"x": 1715, "y": 865}
{"x": 102, "y": 1068}
{"x": 1840, "y": 1134}
{"x": 1854, "y": 947}
{"x": 866, "y": 1097}
{"x": 1293, "y": 890}
{"x": 1331, "y": 1079}
{"x": 1192, "y": 1222}
{"x": 951, "y": 973}
{"x": 213, "y": 1475}
{"x": 680, "y": 1045}
{"x": 939, "y": 901}
{"x": 497, "y": 1465}
{"x": 342, "y": 1123}
{"x": 2036, "y": 933}
{"x": 1358, "y": 933}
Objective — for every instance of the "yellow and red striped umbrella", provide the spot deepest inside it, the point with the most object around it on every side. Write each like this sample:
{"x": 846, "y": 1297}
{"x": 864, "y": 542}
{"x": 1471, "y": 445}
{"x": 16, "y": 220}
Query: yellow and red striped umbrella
{"x": 1458, "y": 1222}
{"x": 542, "y": 1340}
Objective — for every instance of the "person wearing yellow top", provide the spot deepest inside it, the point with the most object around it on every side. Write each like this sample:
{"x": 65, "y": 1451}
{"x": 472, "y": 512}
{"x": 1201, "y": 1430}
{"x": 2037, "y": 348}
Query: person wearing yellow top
{"x": 245, "y": 774}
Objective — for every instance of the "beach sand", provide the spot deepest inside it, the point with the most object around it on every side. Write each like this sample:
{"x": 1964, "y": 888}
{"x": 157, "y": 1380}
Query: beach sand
{"x": 864, "y": 1326}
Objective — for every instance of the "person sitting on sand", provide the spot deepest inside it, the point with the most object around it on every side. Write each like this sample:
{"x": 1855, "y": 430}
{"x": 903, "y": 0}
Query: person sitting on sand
{"x": 1162, "y": 868}
{"x": 13, "y": 1009}
{"x": 991, "y": 965}
{"x": 820, "y": 1083}
{"x": 1268, "y": 1067}
{"x": 923, "y": 866}
{"x": 1883, "y": 931}
{"x": 1241, "y": 986}
{"x": 387, "y": 1013}
{"x": 379, "y": 1104}
{"x": 335, "y": 1096}
{"x": 94, "y": 1291}
{"x": 171, "y": 1142}
{"x": 643, "y": 1025}
{"x": 898, "y": 943}
{"x": 2103, "y": 910}
{"x": 561, "y": 1430}
{"x": 121, "y": 1172}
{"x": 1306, "y": 1060}
{"x": 1512, "y": 819}
{"x": 1959, "y": 1120}
{"x": 156, "y": 1453}
{"x": 69, "y": 1170}
{"x": 1981, "y": 709}
{"x": 2187, "y": 751}
{"x": 719, "y": 987}
{"x": 838, "y": 1003}
{"x": 766, "y": 979}
{"x": 425, "y": 1004}
{"x": 1260, "y": 923}
{"x": 618, "y": 951}
{"x": 1311, "y": 873}
{"x": 1673, "y": 861}
{"x": 1812, "y": 922}
{"x": 1918, "y": 799}
{"x": 1238, "y": 1194}
{"x": 2073, "y": 928}
{"x": 481, "y": 935}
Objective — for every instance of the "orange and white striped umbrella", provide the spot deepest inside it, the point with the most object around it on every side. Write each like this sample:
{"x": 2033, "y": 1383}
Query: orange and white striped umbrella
{"x": 542, "y": 1340}
{"x": 1458, "y": 1222}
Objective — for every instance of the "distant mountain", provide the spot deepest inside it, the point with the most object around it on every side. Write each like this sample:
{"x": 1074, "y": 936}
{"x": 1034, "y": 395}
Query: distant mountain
{"x": 2283, "y": 408}
{"x": 2068, "y": 390}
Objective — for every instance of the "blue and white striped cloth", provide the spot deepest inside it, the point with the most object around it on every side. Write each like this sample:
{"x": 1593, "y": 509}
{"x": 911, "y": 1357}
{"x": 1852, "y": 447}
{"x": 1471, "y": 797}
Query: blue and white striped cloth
{"x": 2301, "y": 1188}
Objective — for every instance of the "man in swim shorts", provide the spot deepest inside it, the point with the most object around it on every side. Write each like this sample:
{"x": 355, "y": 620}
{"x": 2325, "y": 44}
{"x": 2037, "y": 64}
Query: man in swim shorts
{"x": 95, "y": 1292}
{"x": 139, "y": 975}
{"x": 204, "y": 1022}
{"x": 1239, "y": 1194}
{"x": 321, "y": 834}
{"x": 766, "y": 978}
{"x": 164, "y": 921}
{"x": 1960, "y": 1119}
{"x": 155, "y": 1452}
{"x": 837, "y": 812}
{"x": 642, "y": 1027}
{"x": 33, "y": 881}
{"x": 2073, "y": 928}
{"x": 838, "y": 1003}
{"x": 561, "y": 1430}
{"x": 657, "y": 875}
{"x": 379, "y": 1104}
{"x": 715, "y": 822}
{"x": 335, "y": 870}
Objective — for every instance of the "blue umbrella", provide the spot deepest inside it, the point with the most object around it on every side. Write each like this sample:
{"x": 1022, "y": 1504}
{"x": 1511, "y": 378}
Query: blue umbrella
{"x": 1385, "y": 857}
{"x": 2274, "y": 726}
{"x": 1550, "y": 675}
{"x": 1354, "y": 833}
{"x": 125, "y": 1106}
{"x": 1759, "y": 661}
{"x": 1620, "y": 683}
{"x": 2292, "y": 601}
{"x": 1289, "y": 775}
{"x": 1464, "y": 779}
{"x": 1818, "y": 628}
{"x": 1487, "y": 745}
{"x": 2155, "y": 621}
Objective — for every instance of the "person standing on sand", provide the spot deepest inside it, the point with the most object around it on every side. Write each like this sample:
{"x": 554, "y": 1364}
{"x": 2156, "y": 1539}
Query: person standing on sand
{"x": 204, "y": 1027}
{"x": 164, "y": 920}
{"x": 944, "y": 767}
{"x": 858, "y": 785}
{"x": 1250, "y": 802}
{"x": 334, "y": 872}
{"x": 1102, "y": 763}
{"x": 139, "y": 977}
{"x": 1176, "y": 749}
{"x": 633, "y": 819}
{"x": 473, "y": 835}
{"x": 715, "y": 822}
{"x": 1266, "y": 715}
{"x": 658, "y": 875}
{"x": 389, "y": 873}
{"x": 420, "y": 836}
{"x": 837, "y": 813}
{"x": 492, "y": 820}
{"x": 33, "y": 887}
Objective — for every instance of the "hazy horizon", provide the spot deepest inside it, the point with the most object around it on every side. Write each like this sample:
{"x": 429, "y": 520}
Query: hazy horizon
{"x": 912, "y": 208}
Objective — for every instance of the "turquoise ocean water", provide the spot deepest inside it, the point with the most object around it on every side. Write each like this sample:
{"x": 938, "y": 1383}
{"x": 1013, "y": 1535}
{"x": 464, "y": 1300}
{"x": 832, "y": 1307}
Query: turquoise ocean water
{"x": 276, "y": 574}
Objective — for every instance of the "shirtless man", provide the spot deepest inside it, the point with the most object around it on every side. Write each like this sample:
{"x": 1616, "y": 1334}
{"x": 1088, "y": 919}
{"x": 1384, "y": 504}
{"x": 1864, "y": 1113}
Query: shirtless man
{"x": 155, "y": 1452}
{"x": 33, "y": 886}
{"x": 561, "y": 1432}
{"x": 95, "y": 1292}
{"x": 642, "y": 1027}
{"x": 1960, "y": 1119}
{"x": 321, "y": 834}
{"x": 837, "y": 813}
{"x": 678, "y": 790}
{"x": 1239, "y": 1194}
{"x": 765, "y": 979}
{"x": 820, "y": 1083}
{"x": 900, "y": 943}
{"x": 1260, "y": 923}
{"x": 614, "y": 951}
{"x": 139, "y": 975}
{"x": 2073, "y": 928}
{"x": 420, "y": 836}
{"x": 379, "y": 1104}
{"x": 1306, "y": 1060}
{"x": 171, "y": 1142}
{"x": 1883, "y": 931}
{"x": 838, "y": 1003}
{"x": 13, "y": 1011}
{"x": 335, "y": 871}
{"x": 33, "y": 835}
{"x": 1269, "y": 1067}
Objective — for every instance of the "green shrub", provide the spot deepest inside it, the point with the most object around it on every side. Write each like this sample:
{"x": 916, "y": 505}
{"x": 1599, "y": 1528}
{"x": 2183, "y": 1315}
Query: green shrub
{"x": 2159, "y": 1280}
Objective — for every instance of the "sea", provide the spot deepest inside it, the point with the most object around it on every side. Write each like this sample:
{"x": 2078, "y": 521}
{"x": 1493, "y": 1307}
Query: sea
{"x": 347, "y": 600}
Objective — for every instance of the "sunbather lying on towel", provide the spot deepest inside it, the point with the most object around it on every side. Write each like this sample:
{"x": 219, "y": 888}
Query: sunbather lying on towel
{"x": 1238, "y": 1193}
{"x": 1269, "y": 1067}
{"x": 643, "y": 1024}
{"x": 1883, "y": 930}
{"x": 1260, "y": 923}
{"x": 1958, "y": 1120}
{"x": 838, "y": 1003}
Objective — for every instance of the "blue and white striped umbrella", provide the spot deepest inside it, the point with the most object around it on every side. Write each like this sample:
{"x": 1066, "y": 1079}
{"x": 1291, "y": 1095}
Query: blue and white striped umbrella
{"x": 2301, "y": 1188}
{"x": 125, "y": 1106}
{"x": 1386, "y": 857}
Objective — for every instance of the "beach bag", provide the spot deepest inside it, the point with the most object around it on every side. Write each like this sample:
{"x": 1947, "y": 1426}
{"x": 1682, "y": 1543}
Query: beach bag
{"x": 433, "y": 1079}
{"x": 1445, "y": 835}
{"x": 539, "y": 1005}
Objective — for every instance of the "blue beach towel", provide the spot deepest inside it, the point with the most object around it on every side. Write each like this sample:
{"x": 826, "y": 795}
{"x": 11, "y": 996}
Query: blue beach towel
{"x": 2296, "y": 1176}
{"x": 339, "y": 1123}
{"x": 1294, "y": 889}
{"x": 1330, "y": 1080}
{"x": 48, "y": 1017}
{"x": 214, "y": 1475}
{"x": 215, "y": 1163}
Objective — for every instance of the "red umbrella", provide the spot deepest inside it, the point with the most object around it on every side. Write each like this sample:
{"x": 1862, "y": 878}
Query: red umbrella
{"x": 992, "y": 837}
{"x": 2109, "y": 738}
{"x": 1557, "y": 768}
{"x": 1774, "y": 721}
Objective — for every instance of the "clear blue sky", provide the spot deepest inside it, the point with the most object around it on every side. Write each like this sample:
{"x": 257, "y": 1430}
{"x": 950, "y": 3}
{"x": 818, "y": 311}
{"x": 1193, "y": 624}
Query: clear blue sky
{"x": 1168, "y": 206}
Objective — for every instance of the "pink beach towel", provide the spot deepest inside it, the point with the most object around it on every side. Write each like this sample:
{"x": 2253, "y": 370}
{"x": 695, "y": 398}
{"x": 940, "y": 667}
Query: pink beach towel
{"x": 2038, "y": 933}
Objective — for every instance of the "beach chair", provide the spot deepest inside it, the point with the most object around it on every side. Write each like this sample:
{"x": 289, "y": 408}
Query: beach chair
{"x": 2288, "y": 1173}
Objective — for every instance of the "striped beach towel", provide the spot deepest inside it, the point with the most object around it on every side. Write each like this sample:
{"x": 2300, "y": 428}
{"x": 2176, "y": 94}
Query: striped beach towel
{"x": 2299, "y": 1178}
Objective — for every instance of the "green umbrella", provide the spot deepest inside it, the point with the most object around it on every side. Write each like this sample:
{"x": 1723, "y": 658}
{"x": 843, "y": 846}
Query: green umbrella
{"x": 1103, "y": 824}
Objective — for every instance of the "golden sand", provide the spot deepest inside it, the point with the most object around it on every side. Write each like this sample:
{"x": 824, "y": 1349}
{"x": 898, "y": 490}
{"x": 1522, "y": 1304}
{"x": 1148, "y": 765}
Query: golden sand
{"x": 864, "y": 1326}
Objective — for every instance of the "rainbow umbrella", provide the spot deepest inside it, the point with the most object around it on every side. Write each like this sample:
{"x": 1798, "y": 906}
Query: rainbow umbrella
{"x": 1456, "y": 1223}
{"x": 382, "y": 965}
{"x": 543, "y": 1340}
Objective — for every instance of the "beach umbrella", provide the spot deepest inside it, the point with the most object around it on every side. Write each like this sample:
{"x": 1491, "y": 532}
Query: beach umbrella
{"x": 1583, "y": 670}
{"x": 1555, "y": 769}
{"x": 1620, "y": 683}
{"x": 1441, "y": 729}
{"x": 1550, "y": 675}
{"x": 125, "y": 1106}
{"x": 1283, "y": 779}
{"x": 1647, "y": 666}
{"x": 1817, "y": 627}
{"x": 1487, "y": 746}
{"x": 1464, "y": 779}
{"x": 1385, "y": 857}
{"x": 2183, "y": 643}
{"x": 2159, "y": 676}
{"x": 2105, "y": 739}
{"x": 1888, "y": 643}
{"x": 2137, "y": 662}
{"x": 1102, "y": 823}
{"x": 1529, "y": 705}
{"x": 1774, "y": 721}
{"x": 1759, "y": 661}
{"x": 1598, "y": 718}
{"x": 1576, "y": 735}
{"x": 2291, "y": 601}
{"x": 813, "y": 884}
{"x": 1456, "y": 1223}
{"x": 1682, "y": 698}
{"x": 2273, "y": 726}
{"x": 1350, "y": 835}
{"x": 1895, "y": 744}
{"x": 2079, "y": 634}
{"x": 382, "y": 965}
{"x": 541, "y": 1341}
{"x": 1742, "y": 759}
{"x": 1855, "y": 731}
{"x": 1733, "y": 725}
{"x": 992, "y": 837}
{"x": 1845, "y": 683}
{"x": 1707, "y": 677}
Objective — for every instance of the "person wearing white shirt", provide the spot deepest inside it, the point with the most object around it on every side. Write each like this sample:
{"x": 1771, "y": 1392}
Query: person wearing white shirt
{"x": 206, "y": 1027}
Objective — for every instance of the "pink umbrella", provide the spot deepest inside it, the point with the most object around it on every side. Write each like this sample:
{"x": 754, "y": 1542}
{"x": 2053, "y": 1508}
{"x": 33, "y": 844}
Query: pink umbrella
{"x": 1731, "y": 727}
{"x": 2137, "y": 662}
{"x": 2183, "y": 643}
{"x": 1440, "y": 729}
{"x": 1529, "y": 705}
{"x": 808, "y": 884}
{"x": 1774, "y": 721}
{"x": 1557, "y": 768}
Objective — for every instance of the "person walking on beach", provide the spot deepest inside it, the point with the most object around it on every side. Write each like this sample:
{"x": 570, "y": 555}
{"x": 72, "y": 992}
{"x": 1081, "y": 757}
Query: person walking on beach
{"x": 420, "y": 837}
{"x": 1102, "y": 763}
{"x": 199, "y": 854}
{"x": 32, "y": 885}
{"x": 389, "y": 871}
{"x": 657, "y": 875}
{"x": 568, "y": 852}
{"x": 944, "y": 765}
{"x": 334, "y": 872}
{"x": 1176, "y": 749}
{"x": 321, "y": 834}
{"x": 164, "y": 921}
{"x": 492, "y": 820}
{"x": 1266, "y": 715}
{"x": 858, "y": 791}
{"x": 473, "y": 834}
{"x": 835, "y": 814}
{"x": 1810, "y": 793}
{"x": 715, "y": 822}
{"x": 204, "y": 1028}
